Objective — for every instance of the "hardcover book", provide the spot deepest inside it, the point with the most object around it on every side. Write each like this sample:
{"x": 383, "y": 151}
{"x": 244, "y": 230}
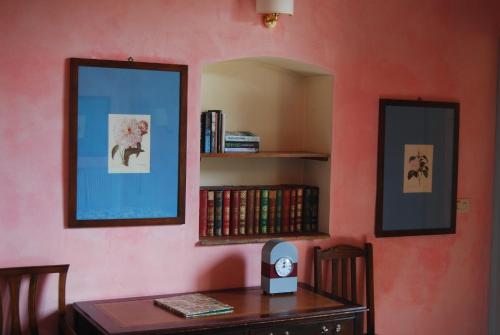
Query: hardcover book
{"x": 235, "y": 212}
{"x": 256, "y": 225}
{"x": 228, "y": 149}
{"x": 207, "y": 131}
{"x": 264, "y": 205}
{"x": 293, "y": 196}
{"x": 298, "y": 208}
{"x": 254, "y": 145}
{"x": 218, "y": 213}
{"x": 243, "y": 212}
{"x": 271, "y": 212}
{"x": 250, "y": 211}
{"x": 193, "y": 305}
{"x": 279, "y": 200}
{"x": 210, "y": 213}
{"x": 241, "y": 136}
{"x": 226, "y": 213}
{"x": 203, "y": 212}
{"x": 285, "y": 219}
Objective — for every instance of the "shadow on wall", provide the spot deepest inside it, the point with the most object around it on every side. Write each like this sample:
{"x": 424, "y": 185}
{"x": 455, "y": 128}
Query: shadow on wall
{"x": 228, "y": 272}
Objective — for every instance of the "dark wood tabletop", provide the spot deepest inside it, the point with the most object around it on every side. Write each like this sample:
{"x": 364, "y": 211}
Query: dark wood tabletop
{"x": 140, "y": 315}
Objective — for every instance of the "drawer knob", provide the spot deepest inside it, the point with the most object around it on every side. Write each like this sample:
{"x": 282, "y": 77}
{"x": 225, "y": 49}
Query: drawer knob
{"x": 324, "y": 329}
{"x": 338, "y": 328}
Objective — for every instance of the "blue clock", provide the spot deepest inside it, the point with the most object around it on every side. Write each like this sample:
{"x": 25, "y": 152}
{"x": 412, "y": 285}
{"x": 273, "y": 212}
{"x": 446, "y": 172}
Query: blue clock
{"x": 279, "y": 267}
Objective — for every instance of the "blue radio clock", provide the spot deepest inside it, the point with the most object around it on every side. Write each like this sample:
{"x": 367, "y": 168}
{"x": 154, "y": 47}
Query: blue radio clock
{"x": 279, "y": 267}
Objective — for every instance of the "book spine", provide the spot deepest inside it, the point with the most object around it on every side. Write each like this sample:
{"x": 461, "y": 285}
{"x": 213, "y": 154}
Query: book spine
{"x": 243, "y": 212}
{"x": 279, "y": 201}
{"x": 208, "y": 132}
{"x": 214, "y": 131}
{"x": 202, "y": 132}
{"x": 271, "y": 224}
{"x": 298, "y": 208}
{"x": 307, "y": 209}
{"x": 264, "y": 206}
{"x": 235, "y": 211}
{"x": 314, "y": 209}
{"x": 218, "y": 214}
{"x": 210, "y": 213}
{"x": 227, "y": 149}
{"x": 293, "y": 196}
{"x": 250, "y": 211}
{"x": 240, "y": 138}
{"x": 285, "y": 220}
{"x": 203, "y": 212}
{"x": 256, "y": 219}
{"x": 223, "y": 131}
{"x": 226, "y": 215}
{"x": 254, "y": 145}
{"x": 219, "y": 131}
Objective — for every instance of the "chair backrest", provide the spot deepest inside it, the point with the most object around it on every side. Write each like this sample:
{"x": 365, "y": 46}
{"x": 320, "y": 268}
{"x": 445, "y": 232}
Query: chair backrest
{"x": 13, "y": 277}
{"x": 344, "y": 276}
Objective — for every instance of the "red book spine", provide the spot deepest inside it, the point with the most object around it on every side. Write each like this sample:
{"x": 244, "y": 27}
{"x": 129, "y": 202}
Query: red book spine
{"x": 226, "y": 212}
{"x": 293, "y": 196}
{"x": 243, "y": 212}
{"x": 250, "y": 211}
{"x": 210, "y": 213}
{"x": 298, "y": 208}
{"x": 235, "y": 211}
{"x": 203, "y": 212}
{"x": 256, "y": 219}
{"x": 271, "y": 225}
{"x": 285, "y": 219}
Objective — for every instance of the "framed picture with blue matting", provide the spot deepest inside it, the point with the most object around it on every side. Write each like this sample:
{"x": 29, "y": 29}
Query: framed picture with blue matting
{"x": 417, "y": 168}
{"x": 127, "y": 146}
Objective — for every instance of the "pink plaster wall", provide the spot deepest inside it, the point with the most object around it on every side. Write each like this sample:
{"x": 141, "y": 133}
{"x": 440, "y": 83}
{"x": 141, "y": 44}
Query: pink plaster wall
{"x": 443, "y": 50}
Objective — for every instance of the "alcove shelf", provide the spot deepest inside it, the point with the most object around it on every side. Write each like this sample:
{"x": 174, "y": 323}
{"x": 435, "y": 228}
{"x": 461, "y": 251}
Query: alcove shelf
{"x": 270, "y": 154}
{"x": 244, "y": 239}
{"x": 288, "y": 104}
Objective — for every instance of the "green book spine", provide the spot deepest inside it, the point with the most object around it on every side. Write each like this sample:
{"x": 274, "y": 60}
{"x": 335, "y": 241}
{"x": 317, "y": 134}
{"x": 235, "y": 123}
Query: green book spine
{"x": 256, "y": 218}
{"x": 307, "y": 209}
{"x": 264, "y": 205}
{"x": 271, "y": 212}
{"x": 279, "y": 201}
{"x": 218, "y": 214}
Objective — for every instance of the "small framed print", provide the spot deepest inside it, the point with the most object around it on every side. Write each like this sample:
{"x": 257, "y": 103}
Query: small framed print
{"x": 127, "y": 143}
{"x": 417, "y": 168}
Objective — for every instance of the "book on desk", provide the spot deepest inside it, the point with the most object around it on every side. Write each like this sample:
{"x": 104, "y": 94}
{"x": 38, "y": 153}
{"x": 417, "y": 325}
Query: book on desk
{"x": 193, "y": 305}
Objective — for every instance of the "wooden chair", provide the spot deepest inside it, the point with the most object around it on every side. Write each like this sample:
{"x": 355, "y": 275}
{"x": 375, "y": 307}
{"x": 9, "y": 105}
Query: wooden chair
{"x": 13, "y": 277}
{"x": 344, "y": 276}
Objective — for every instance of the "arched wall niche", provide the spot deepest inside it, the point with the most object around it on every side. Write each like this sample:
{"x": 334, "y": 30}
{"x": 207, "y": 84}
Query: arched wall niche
{"x": 289, "y": 105}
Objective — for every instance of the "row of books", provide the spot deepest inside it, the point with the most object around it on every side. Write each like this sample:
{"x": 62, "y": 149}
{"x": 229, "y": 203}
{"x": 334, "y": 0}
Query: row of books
{"x": 212, "y": 131}
{"x": 256, "y": 210}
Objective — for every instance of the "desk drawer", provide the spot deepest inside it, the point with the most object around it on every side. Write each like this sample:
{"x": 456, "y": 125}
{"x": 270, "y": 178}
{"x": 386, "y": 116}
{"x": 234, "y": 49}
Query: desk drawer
{"x": 334, "y": 327}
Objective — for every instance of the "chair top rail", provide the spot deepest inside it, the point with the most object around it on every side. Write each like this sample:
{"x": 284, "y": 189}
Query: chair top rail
{"x": 27, "y": 270}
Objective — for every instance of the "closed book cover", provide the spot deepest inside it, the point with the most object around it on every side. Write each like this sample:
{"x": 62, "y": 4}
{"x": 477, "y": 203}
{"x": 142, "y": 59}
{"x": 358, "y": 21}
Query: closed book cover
{"x": 193, "y": 305}
{"x": 314, "y": 210}
{"x": 271, "y": 212}
{"x": 218, "y": 213}
{"x": 203, "y": 212}
{"x": 285, "y": 217}
{"x": 210, "y": 213}
{"x": 226, "y": 212}
{"x": 264, "y": 206}
{"x": 279, "y": 201}
{"x": 298, "y": 209}
{"x": 249, "y": 150}
{"x": 242, "y": 145}
{"x": 219, "y": 131}
{"x": 250, "y": 211}
{"x": 307, "y": 209}
{"x": 208, "y": 132}
{"x": 243, "y": 212}
{"x": 222, "y": 131}
{"x": 256, "y": 225}
{"x": 235, "y": 212}
{"x": 293, "y": 196}
{"x": 202, "y": 132}
{"x": 241, "y": 136}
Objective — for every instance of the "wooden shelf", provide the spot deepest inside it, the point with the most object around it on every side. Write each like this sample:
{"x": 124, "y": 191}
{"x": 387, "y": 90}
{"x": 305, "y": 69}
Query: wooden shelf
{"x": 241, "y": 239}
{"x": 270, "y": 154}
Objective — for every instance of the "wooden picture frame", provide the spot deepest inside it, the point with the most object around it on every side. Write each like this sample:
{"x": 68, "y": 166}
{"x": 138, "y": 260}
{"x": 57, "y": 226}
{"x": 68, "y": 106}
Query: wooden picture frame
{"x": 127, "y": 146}
{"x": 417, "y": 168}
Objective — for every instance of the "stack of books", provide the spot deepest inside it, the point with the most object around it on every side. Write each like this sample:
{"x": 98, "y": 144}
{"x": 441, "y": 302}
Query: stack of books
{"x": 241, "y": 141}
{"x": 193, "y": 305}
{"x": 258, "y": 210}
{"x": 212, "y": 131}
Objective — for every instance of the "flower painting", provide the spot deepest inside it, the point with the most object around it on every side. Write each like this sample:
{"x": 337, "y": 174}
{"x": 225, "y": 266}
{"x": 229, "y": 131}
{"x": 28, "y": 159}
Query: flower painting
{"x": 417, "y": 176}
{"x": 129, "y": 143}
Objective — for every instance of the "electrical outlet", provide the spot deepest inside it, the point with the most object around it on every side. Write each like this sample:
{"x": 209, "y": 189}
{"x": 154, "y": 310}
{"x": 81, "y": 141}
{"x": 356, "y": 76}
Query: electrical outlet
{"x": 463, "y": 205}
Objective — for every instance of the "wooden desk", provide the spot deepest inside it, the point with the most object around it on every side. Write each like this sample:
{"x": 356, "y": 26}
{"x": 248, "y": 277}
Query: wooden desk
{"x": 303, "y": 313}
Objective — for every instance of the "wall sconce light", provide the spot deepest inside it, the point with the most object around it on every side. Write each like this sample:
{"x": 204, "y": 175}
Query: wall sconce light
{"x": 272, "y": 9}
